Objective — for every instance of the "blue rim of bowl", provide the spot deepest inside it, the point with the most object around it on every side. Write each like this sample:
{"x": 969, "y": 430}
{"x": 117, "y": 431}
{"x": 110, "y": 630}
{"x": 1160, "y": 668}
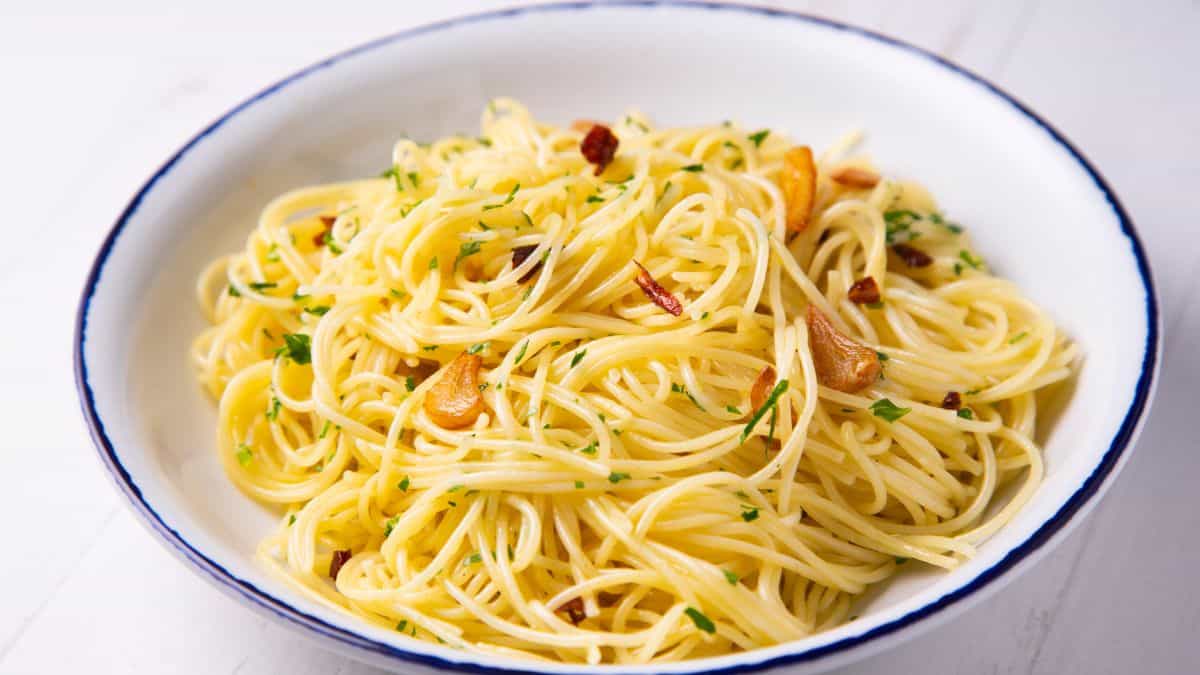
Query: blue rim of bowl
{"x": 267, "y": 602}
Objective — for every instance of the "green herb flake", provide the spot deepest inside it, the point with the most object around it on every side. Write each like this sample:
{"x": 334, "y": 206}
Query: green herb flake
{"x": 616, "y": 477}
{"x": 456, "y": 488}
{"x": 244, "y": 455}
{"x": 317, "y": 310}
{"x": 702, "y": 622}
{"x": 468, "y": 248}
{"x": 273, "y": 410}
{"x": 772, "y": 399}
{"x": 901, "y": 561}
{"x": 732, "y": 410}
{"x": 477, "y": 347}
{"x": 749, "y": 515}
{"x": 578, "y": 485}
{"x": 589, "y": 449}
{"x": 966, "y": 413}
{"x": 429, "y": 348}
{"x": 966, "y": 257}
{"x": 402, "y": 626}
{"x": 594, "y": 199}
{"x": 730, "y": 577}
{"x": 291, "y": 520}
{"x": 410, "y": 383}
{"x": 234, "y": 292}
{"x": 403, "y": 484}
{"x": 297, "y": 348}
{"x": 390, "y": 525}
{"x": 324, "y": 429}
{"x": 333, "y": 246}
{"x": 262, "y": 285}
{"x": 887, "y": 410}
{"x": 692, "y": 168}
{"x": 1018, "y": 337}
{"x": 433, "y": 263}
{"x": 875, "y": 305}
{"x": 578, "y": 357}
{"x": 759, "y": 136}
{"x": 882, "y": 356}
{"x": 475, "y": 559}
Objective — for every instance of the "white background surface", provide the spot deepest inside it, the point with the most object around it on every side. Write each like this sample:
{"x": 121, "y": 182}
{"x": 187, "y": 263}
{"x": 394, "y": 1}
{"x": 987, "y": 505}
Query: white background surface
{"x": 93, "y": 103}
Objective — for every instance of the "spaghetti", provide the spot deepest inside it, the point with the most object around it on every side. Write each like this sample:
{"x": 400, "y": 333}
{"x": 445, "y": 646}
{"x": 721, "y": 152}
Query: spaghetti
{"x": 484, "y": 422}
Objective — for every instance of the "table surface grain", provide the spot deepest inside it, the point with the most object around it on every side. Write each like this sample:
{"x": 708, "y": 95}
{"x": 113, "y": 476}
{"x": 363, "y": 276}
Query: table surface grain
{"x": 95, "y": 100}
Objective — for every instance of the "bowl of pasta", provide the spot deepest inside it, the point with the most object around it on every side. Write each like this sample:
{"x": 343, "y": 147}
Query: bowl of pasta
{"x": 548, "y": 341}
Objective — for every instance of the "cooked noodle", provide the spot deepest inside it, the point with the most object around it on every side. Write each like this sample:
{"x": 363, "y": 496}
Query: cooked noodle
{"x": 605, "y": 507}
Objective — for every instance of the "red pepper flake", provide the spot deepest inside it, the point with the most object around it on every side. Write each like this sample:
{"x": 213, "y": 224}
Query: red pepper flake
{"x": 319, "y": 238}
{"x": 340, "y": 557}
{"x": 519, "y": 255}
{"x": 913, "y": 257}
{"x": 761, "y": 388}
{"x": 574, "y": 610}
{"x": 599, "y": 146}
{"x": 953, "y": 401}
{"x": 864, "y": 291}
{"x": 657, "y": 294}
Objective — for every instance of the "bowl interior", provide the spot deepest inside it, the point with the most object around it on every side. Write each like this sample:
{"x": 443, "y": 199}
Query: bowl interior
{"x": 1033, "y": 210}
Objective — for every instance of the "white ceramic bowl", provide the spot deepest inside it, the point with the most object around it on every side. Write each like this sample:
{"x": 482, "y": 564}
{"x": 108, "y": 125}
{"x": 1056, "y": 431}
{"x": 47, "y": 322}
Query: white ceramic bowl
{"x": 1037, "y": 210}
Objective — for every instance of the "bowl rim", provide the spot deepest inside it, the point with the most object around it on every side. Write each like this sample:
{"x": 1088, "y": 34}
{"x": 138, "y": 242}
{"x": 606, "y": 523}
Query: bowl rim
{"x": 1118, "y": 450}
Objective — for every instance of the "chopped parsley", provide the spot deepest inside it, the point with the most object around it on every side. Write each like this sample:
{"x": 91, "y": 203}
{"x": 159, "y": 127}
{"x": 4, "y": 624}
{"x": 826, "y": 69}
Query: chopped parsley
{"x": 318, "y": 310}
{"x": 1018, "y": 337}
{"x": 692, "y": 168}
{"x": 507, "y": 200}
{"x": 244, "y": 456}
{"x": 749, "y": 514}
{"x": 484, "y": 226}
{"x": 393, "y": 173}
{"x": 468, "y": 248}
{"x": 390, "y": 525}
{"x": 296, "y": 346}
{"x": 875, "y": 305}
{"x": 300, "y": 297}
{"x": 429, "y": 348}
{"x": 273, "y": 410}
{"x": 759, "y": 136}
{"x": 578, "y": 485}
{"x": 704, "y": 316}
{"x": 433, "y": 263}
{"x": 403, "y": 484}
{"x": 402, "y": 626}
{"x": 966, "y": 413}
{"x": 730, "y": 577}
{"x": 578, "y": 357}
{"x": 732, "y": 410}
{"x": 456, "y": 488}
{"x": 475, "y": 559}
{"x": 772, "y": 399}
{"x": 328, "y": 240}
{"x": 974, "y": 262}
{"x": 521, "y": 353}
{"x": 415, "y": 178}
{"x": 291, "y": 520}
{"x": 324, "y": 429}
{"x": 882, "y": 356}
{"x": 477, "y": 347}
{"x": 262, "y": 285}
{"x": 901, "y": 561}
{"x": 594, "y": 199}
{"x": 616, "y": 477}
{"x": 409, "y": 383}
{"x": 680, "y": 389}
{"x": 589, "y": 449}
{"x": 234, "y": 292}
{"x": 702, "y": 622}
{"x": 887, "y": 410}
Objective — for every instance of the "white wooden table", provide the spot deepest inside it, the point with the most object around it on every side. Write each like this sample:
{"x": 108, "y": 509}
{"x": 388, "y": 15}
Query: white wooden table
{"x": 92, "y": 103}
